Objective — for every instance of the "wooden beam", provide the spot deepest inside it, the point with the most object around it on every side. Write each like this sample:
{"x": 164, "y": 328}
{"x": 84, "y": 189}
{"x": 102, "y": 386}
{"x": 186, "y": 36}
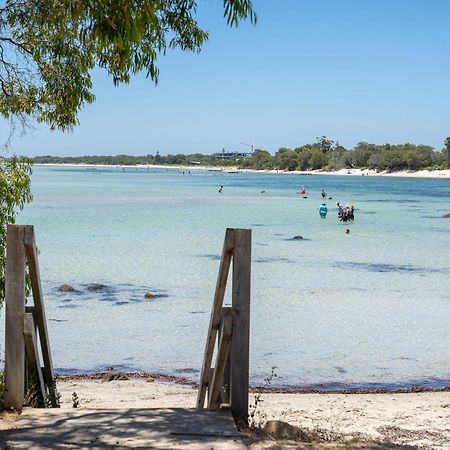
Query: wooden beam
{"x": 226, "y": 383}
{"x": 211, "y": 376}
{"x": 240, "y": 342}
{"x": 14, "y": 313}
{"x": 31, "y": 350}
{"x": 39, "y": 311}
{"x": 215, "y": 314}
{"x": 221, "y": 359}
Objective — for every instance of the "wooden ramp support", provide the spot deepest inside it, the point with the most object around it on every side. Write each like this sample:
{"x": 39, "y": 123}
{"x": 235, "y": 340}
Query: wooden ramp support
{"x": 228, "y": 382}
{"x": 25, "y": 326}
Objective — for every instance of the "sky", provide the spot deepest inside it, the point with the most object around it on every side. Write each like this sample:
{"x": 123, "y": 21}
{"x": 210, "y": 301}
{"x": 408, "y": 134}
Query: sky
{"x": 352, "y": 70}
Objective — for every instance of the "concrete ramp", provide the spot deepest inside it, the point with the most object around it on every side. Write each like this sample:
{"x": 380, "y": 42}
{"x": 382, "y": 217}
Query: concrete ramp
{"x": 148, "y": 428}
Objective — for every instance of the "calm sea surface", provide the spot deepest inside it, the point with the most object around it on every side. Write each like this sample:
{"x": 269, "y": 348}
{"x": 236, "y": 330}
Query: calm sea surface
{"x": 367, "y": 308}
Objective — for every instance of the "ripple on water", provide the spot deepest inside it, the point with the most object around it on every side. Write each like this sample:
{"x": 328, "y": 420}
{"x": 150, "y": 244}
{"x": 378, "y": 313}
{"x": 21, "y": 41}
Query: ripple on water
{"x": 271, "y": 260}
{"x": 70, "y": 306}
{"x": 212, "y": 257}
{"x": 381, "y": 267}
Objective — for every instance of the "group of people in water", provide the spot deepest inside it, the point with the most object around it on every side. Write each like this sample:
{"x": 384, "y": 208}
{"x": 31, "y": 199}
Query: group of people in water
{"x": 345, "y": 214}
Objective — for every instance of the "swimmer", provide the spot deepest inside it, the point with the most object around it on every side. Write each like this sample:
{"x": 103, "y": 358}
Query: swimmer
{"x": 220, "y": 189}
{"x": 347, "y": 231}
{"x": 351, "y": 212}
{"x": 323, "y": 211}
{"x": 340, "y": 211}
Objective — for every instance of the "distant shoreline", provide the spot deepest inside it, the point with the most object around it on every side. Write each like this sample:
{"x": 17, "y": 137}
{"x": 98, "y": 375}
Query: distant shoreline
{"x": 438, "y": 174}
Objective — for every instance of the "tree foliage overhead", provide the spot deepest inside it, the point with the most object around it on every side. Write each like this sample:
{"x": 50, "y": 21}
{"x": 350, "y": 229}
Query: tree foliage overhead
{"x": 48, "y": 48}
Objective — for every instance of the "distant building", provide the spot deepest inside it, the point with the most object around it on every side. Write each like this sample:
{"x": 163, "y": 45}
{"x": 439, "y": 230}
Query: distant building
{"x": 225, "y": 156}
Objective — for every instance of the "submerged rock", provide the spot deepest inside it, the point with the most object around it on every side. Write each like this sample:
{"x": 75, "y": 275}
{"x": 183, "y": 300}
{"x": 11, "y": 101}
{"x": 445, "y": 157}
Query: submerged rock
{"x": 66, "y": 288}
{"x": 297, "y": 238}
{"x": 446, "y": 216}
{"x": 96, "y": 287}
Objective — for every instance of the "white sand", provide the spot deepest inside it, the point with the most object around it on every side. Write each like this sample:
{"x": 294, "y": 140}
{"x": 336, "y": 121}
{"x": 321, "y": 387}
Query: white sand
{"x": 420, "y": 419}
{"x": 341, "y": 172}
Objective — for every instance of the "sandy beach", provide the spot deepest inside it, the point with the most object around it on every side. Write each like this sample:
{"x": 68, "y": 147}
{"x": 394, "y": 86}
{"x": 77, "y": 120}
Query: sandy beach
{"x": 341, "y": 172}
{"x": 419, "y": 420}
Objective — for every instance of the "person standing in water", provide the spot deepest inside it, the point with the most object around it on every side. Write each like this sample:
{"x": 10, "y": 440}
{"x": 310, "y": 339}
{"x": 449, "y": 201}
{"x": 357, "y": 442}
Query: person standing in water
{"x": 323, "y": 211}
{"x": 323, "y": 193}
{"x": 340, "y": 211}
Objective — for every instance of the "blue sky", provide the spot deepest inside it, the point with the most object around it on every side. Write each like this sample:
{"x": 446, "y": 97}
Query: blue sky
{"x": 353, "y": 70}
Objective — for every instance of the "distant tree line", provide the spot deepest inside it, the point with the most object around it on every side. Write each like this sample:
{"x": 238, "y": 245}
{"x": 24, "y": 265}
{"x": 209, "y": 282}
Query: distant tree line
{"x": 329, "y": 155}
{"x": 323, "y": 154}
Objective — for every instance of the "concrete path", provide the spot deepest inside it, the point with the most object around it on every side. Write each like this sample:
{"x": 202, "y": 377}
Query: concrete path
{"x": 148, "y": 428}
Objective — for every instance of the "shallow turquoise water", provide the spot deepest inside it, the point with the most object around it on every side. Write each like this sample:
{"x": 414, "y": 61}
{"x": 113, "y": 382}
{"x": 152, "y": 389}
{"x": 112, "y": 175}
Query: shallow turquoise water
{"x": 371, "y": 307}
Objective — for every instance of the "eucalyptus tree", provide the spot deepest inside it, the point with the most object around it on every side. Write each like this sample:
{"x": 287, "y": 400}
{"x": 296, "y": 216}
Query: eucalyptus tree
{"x": 14, "y": 194}
{"x": 49, "y": 49}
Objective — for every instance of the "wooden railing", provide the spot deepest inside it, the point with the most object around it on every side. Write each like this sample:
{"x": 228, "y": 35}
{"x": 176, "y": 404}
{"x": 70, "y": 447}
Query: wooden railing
{"x": 25, "y": 324}
{"x": 228, "y": 382}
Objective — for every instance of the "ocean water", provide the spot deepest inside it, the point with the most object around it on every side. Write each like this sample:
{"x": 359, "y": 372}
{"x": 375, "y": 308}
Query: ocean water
{"x": 369, "y": 308}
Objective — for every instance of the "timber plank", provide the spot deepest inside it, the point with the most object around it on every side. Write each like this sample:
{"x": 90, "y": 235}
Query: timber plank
{"x": 222, "y": 354}
{"x": 156, "y": 428}
{"x": 31, "y": 350}
{"x": 14, "y": 312}
{"x": 219, "y": 294}
{"x": 240, "y": 343}
{"x": 39, "y": 312}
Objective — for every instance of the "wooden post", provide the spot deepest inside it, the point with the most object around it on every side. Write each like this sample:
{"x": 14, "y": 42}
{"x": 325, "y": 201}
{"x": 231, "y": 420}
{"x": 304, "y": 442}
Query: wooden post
{"x": 239, "y": 349}
{"x": 215, "y": 385}
{"x": 31, "y": 350}
{"x": 14, "y": 314}
{"x": 215, "y": 315}
{"x": 39, "y": 311}
{"x": 225, "y": 390}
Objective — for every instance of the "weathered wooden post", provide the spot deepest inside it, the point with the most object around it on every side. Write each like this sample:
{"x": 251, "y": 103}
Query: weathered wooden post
{"x": 39, "y": 311}
{"x": 240, "y": 342}
{"x": 228, "y": 382}
{"x": 24, "y": 322}
{"x": 214, "y": 321}
{"x": 14, "y": 314}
